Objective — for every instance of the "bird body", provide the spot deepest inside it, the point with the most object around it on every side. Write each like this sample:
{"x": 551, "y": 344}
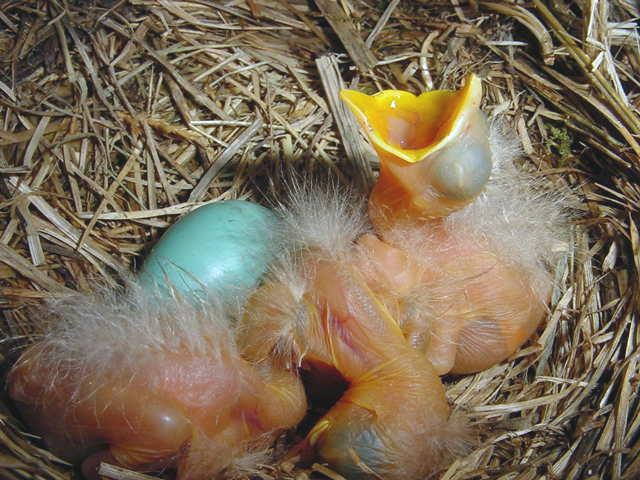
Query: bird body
{"x": 452, "y": 200}
{"x": 148, "y": 384}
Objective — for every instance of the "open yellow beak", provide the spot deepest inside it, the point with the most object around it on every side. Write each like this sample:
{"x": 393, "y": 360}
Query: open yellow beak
{"x": 434, "y": 149}
{"x": 409, "y": 127}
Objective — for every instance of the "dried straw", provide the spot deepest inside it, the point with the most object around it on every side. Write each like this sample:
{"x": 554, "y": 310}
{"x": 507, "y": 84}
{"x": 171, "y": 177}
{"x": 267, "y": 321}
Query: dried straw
{"x": 117, "y": 116}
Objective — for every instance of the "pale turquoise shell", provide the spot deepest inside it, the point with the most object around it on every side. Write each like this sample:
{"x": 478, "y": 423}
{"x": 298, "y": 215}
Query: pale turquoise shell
{"x": 219, "y": 249}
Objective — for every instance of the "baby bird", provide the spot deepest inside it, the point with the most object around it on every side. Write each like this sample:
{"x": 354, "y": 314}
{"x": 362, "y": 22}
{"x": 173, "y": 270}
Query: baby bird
{"x": 325, "y": 309}
{"x": 483, "y": 234}
{"x": 149, "y": 385}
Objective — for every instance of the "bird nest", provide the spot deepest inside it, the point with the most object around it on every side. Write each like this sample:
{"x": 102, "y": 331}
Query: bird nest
{"x": 119, "y": 116}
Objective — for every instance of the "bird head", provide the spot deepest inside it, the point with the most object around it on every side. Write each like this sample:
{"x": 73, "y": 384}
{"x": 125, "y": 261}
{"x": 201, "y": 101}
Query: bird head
{"x": 433, "y": 148}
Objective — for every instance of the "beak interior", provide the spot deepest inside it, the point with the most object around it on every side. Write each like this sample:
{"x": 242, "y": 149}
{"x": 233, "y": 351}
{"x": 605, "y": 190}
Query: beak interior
{"x": 410, "y": 127}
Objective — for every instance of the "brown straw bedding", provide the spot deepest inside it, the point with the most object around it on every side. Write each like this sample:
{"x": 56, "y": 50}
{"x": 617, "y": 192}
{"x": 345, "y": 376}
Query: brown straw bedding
{"x": 118, "y": 116}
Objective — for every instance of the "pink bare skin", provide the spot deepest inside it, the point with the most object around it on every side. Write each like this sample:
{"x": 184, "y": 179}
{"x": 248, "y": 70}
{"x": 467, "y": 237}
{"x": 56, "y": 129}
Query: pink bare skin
{"x": 189, "y": 412}
{"x": 463, "y": 306}
{"x": 349, "y": 329}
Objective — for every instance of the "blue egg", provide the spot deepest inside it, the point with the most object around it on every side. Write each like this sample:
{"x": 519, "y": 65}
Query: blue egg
{"x": 219, "y": 249}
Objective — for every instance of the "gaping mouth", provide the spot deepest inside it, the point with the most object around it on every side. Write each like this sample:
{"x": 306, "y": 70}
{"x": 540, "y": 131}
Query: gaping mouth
{"x": 411, "y": 127}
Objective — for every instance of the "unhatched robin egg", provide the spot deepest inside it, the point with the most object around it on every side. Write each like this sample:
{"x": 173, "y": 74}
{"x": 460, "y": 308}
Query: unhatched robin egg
{"x": 221, "y": 247}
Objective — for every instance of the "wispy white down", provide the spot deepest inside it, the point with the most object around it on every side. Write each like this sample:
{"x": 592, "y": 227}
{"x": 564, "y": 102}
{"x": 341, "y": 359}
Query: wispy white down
{"x": 122, "y": 327}
{"x": 521, "y": 215}
{"x": 327, "y": 217}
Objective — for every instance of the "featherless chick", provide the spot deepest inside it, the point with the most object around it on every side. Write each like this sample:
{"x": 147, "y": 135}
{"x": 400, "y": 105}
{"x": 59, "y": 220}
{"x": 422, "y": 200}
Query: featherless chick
{"x": 148, "y": 385}
{"x": 324, "y": 309}
{"x": 485, "y": 235}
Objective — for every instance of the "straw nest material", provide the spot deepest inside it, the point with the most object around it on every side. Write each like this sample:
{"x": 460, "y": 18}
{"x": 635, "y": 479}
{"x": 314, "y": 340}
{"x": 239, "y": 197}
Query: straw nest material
{"x": 118, "y": 116}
